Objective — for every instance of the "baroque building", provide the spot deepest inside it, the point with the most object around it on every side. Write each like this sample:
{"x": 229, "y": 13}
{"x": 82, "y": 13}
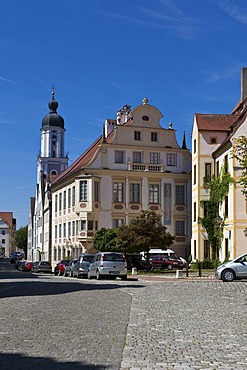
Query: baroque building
{"x": 7, "y": 233}
{"x": 51, "y": 161}
{"x": 135, "y": 165}
{"x": 212, "y": 138}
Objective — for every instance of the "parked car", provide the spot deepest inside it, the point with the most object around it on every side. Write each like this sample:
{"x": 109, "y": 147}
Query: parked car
{"x": 108, "y": 264}
{"x": 17, "y": 263}
{"x": 15, "y": 255}
{"x": 173, "y": 263}
{"x": 157, "y": 262}
{"x": 165, "y": 262}
{"x": 69, "y": 269}
{"x": 82, "y": 265}
{"x": 42, "y": 266}
{"x": 233, "y": 270}
{"x": 136, "y": 260}
{"x": 24, "y": 265}
{"x": 60, "y": 267}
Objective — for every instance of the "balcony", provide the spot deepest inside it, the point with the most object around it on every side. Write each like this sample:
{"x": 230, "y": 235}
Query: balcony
{"x": 145, "y": 167}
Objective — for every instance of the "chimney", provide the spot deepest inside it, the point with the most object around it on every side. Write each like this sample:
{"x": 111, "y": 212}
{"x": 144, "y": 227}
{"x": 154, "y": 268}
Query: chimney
{"x": 243, "y": 84}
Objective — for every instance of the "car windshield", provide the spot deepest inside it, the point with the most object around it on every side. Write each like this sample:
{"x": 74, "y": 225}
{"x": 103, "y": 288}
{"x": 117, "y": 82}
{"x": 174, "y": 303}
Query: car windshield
{"x": 242, "y": 259}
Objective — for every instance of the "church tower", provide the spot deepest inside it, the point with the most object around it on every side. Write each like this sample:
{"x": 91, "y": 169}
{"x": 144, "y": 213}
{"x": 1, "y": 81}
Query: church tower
{"x": 51, "y": 162}
{"x": 52, "y": 159}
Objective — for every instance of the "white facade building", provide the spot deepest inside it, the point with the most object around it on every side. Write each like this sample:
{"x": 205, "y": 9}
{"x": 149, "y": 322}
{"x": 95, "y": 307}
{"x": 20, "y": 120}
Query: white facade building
{"x": 212, "y": 138}
{"x": 135, "y": 165}
{"x": 7, "y": 233}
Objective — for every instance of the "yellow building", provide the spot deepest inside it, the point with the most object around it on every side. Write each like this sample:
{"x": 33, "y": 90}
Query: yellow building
{"x": 212, "y": 138}
{"x": 135, "y": 165}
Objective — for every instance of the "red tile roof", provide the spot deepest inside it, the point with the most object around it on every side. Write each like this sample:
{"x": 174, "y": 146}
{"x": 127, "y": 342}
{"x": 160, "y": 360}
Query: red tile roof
{"x": 80, "y": 162}
{"x": 8, "y": 218}
{"x": 215, "y": 122}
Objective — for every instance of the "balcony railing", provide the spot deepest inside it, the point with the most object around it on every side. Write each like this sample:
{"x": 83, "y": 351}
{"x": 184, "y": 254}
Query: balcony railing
{"x": 145, "y": 167}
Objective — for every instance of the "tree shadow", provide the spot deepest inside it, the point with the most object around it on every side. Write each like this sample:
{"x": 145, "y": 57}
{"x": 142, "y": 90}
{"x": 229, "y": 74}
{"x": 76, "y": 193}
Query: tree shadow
{"x": 22, "y": 362}
{"x": 18, "y": 284}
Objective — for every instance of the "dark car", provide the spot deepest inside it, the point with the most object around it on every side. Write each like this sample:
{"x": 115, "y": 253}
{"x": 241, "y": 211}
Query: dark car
{"x": 69, "y": 269}
{"x": 60, "y": 267}
{"x": 15, "y": 256}
{"x": 81, "y": 267}
{"x": 42, "y": 266}
{"x": 137, "y": 261}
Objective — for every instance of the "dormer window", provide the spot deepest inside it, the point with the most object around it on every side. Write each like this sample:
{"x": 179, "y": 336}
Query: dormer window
{"x": 213, "y": 140}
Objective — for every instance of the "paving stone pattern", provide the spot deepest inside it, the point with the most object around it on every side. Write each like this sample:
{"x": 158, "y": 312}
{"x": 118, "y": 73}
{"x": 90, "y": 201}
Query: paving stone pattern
{"x": 64, "y": 324}
{"x": 187, "y": 325}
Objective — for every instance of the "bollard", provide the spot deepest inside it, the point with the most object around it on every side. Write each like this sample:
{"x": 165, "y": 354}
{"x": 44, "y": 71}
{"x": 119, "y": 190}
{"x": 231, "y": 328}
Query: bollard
{"x": 134, "y": 271}
{"x": 200, "y": 269}
{"x": 179, "y": 274}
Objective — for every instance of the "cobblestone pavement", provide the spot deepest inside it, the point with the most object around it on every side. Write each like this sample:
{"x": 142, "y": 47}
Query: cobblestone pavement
{"x": 64, "y": 324}
{"x": 187, "y": 324}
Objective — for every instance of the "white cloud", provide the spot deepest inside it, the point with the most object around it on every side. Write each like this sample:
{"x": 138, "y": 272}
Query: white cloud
{"x": 233, "y": 10}
{"x": 7, "y": 80}
{"x": 168, "y": 17}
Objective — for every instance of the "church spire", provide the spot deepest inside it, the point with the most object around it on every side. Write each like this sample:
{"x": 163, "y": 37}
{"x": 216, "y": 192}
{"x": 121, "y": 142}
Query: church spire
{"x": 184, "y": 146}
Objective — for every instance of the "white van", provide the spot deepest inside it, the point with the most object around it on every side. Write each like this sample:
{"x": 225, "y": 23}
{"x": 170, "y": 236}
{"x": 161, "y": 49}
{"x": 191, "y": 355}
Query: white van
{"x": 160, "y": 252}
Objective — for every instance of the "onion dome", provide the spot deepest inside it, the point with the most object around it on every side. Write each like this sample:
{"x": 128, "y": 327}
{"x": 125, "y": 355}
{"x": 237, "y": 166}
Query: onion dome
{"x": 53, "y": 119}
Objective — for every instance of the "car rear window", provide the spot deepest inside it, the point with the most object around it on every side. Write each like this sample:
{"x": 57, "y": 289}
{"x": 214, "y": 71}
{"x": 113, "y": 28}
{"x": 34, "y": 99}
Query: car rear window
{"x": 88, "y": 258}
{"x": 113, "y": 257}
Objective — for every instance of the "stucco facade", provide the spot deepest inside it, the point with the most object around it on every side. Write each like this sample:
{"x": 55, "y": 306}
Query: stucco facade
{"x": 135, "y": 165}
{"x": 212, "y": 138}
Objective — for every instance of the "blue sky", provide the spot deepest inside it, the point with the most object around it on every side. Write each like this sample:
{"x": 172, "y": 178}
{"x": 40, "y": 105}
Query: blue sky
{"x": 185, "y": 56}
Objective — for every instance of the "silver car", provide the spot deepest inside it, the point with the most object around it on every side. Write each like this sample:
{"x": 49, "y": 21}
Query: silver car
{"x": 81, "y": 266}
{"x": 235, "y": 269}
{"x": 69, "y": 269}
{"x": 108, "y": 264}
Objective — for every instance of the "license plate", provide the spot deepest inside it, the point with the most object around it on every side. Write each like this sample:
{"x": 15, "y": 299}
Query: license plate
{"x": 113, "y": 272}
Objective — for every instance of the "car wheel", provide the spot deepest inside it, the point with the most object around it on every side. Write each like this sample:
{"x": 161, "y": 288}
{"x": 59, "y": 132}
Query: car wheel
{"x": 98, "y": 277}
{"x": 170, "y": 267}
{"x": 228, "y": 275}
{"x": 124, "y": 277}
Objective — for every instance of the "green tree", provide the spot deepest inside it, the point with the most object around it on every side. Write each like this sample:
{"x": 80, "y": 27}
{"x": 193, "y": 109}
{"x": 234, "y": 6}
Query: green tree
{"x": 143, "y": 233}
{"x": 21, "y": 238}
{"x": 218, "y": 188}
{"x": 239, "y": 151}
{"x": 105, "y": 240}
